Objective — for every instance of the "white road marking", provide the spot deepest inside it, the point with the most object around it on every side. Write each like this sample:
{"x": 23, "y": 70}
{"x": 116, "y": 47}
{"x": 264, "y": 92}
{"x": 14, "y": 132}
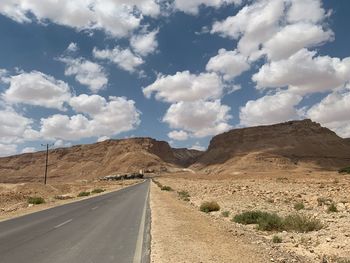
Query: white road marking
{"x": 94, "y": 208}
{"x": 62, "y": 224}
{"x": 139, "y": 244}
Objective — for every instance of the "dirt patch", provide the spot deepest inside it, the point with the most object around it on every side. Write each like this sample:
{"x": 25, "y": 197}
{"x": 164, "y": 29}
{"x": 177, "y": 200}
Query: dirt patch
{"x": 279, "y": 193}
{"x": 180, "y": 233}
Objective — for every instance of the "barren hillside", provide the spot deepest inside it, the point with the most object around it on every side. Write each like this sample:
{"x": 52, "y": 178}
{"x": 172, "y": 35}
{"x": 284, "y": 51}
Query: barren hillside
{"x": 288, "y": 145}
{"x": 93, "y": 160}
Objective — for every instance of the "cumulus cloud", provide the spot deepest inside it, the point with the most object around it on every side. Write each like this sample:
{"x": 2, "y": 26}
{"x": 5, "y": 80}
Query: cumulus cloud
{"x": 178, "y": 135}
{"x": 72, "y": 47}
{"x": 86, "y": 72}
{"x": 200, "y": 118}
{"x": 144, "y": 43}
{"x": 197, "y": 146}
{"x": 192, "y": 7}
{"x": 103, "y": 138}
{"x": 304, "y": 73}
{"x": 39, "y": 89}
{"x": 123, "y": 58}
{"x": 7, "y": 149}
{"x": 276, "y": 28}
{"x": 15, "y": 127}
{"x": 115, "y": 116}
{"x": 184, "y": 86}
{"x": 28, "y": 150}
{"x": 228, "y": 63}
{"x": 116, "y": 17}
{"x": 270, "y": 109}
{"x": 333, "y": 112}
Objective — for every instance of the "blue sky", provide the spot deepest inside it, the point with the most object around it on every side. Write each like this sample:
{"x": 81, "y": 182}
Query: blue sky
{"x": 182, "y": 71}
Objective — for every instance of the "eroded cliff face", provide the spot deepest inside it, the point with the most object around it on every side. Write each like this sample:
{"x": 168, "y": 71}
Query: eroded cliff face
{"x": 285, "y": 146}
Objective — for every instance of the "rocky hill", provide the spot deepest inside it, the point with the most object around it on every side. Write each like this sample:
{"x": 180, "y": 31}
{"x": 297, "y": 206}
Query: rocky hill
{"x": 95, "y": 160}
{"x": 288, "y": 145}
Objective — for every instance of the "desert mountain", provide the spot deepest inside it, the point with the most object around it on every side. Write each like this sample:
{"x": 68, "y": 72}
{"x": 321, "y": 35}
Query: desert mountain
{"x": 288, "y": 145}
{"x": 95, "y": 160}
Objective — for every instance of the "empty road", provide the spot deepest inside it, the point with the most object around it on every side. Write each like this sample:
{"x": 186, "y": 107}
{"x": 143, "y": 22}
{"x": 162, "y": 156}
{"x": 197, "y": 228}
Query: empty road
{"x": 108, "y": 228}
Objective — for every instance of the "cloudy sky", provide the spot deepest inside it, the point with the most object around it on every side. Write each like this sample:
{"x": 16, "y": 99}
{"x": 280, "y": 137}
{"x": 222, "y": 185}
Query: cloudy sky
{"x": 81, "y": 71}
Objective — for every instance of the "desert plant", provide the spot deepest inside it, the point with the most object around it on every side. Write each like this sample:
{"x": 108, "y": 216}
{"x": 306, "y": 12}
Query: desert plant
{"x": 36, "y": 200}
{"x": 166, "y": 188}
{"x": 276, "y": 239}
{"x": 81, "y": 194}
{"x": 184, "y": 195}
{"x": 97, "y": 191}
{"x": 299, "y": 206}
{"x": 301, "y": 223}
{"x": 249, "y": 217}
{"x": 209, "y": 207}
{"x": 332, "y": 208}
{"x": 345, "y": 170}
{"x": 270, "y": 222}
{"x": 225, "y": 213}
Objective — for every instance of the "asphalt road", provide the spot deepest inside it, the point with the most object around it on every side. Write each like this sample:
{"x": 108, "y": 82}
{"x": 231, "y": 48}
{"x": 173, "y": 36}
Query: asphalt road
{"x": 108, "y": 228}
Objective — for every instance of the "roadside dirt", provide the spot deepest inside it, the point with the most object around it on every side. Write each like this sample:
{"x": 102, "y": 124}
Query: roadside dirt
{"x": 14, "y": 197}
{"x": 278, "y": 193}
{"x": 180, "y": 233}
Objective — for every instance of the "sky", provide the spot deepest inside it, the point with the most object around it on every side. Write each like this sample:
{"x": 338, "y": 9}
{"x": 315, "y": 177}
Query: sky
{"x": 83, "y": 71}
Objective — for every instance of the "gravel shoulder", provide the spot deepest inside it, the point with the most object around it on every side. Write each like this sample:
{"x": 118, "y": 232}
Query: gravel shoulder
{"x": 181, "y": 233}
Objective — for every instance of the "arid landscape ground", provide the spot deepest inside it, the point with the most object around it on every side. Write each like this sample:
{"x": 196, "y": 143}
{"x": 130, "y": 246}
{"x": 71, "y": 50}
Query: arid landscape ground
{"x": 287, "y": 171}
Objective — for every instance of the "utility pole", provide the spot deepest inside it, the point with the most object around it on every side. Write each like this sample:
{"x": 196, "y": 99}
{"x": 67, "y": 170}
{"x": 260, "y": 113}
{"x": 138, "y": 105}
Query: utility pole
{"x": 47, "y": 160}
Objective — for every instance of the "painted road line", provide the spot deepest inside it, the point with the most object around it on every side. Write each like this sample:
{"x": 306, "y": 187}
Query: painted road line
{"x": 140, "y": 238}
{"x": 65, "y": 222}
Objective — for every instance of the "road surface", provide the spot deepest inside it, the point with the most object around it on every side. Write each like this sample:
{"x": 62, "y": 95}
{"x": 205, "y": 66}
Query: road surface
{"x": 108, "y": 228}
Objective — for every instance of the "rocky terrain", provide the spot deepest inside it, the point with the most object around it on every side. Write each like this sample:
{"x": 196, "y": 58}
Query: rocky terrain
{"x": 279, "y": 193}
{"x": 285, "y": 146}
{"x": 95, "y": 160}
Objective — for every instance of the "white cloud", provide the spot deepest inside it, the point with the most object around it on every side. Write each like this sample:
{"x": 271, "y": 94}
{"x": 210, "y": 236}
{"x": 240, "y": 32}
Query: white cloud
{"x": 7, "y": 149}
{"x": 14, "y": 127}
{"x": 297, "y": 36}
{"x": 36, "y": 88}
{"x": 333, "y": 112}
{"x": 103, "y": 138}
{"x": 116, "y": 17}
{"x": 184, "y": 86}
{"x": 86, "y": 72}
{"x": 178, "y": 135}
{"x": 61, "y": 143}
{"x": 115, "y": 116}
{"x": 123, "y": 58}
{"x": 277, "y": 28}
{"x": 270, "y": 109}
{"x": 197, "y": 147}
{"x": 145, "y": 43}
{"x": 304, "y": 72}
{"x": 200, "y": 118}
{"x": 228, "y": 63}
{"x": 89, "y": 104}
{"x": 192, "y": 6}
{"x": 72, "y": 47}
{"x": 28, "y": 150}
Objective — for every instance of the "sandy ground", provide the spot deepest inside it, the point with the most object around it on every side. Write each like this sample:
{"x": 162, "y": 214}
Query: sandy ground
{"x": 180, "y": 233}
{"x": 14, "y": 197}
{"x": 273, "y": 193}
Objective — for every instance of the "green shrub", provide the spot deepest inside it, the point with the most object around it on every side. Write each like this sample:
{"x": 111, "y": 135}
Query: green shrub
{"x": 166, "y": 188}
{"x": 81, "y": 194}
{"x": 225, "y": 213}
{"x": 209, "y": 207}
{"x": 36, "y": 200}
{"x": 157, "y": 183}
{"x": 332, "y": 208}
{"x": 184, "y": 195}
{"x": 249, "y": 217}
{"x": 97, "y": 191}
{"x": 276, "y": 239}
{"x": 345, "y": 170}
{"x": 270, "y": 222}
{"x": 301, "y": 223}
{"x": 299, "y": 206}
